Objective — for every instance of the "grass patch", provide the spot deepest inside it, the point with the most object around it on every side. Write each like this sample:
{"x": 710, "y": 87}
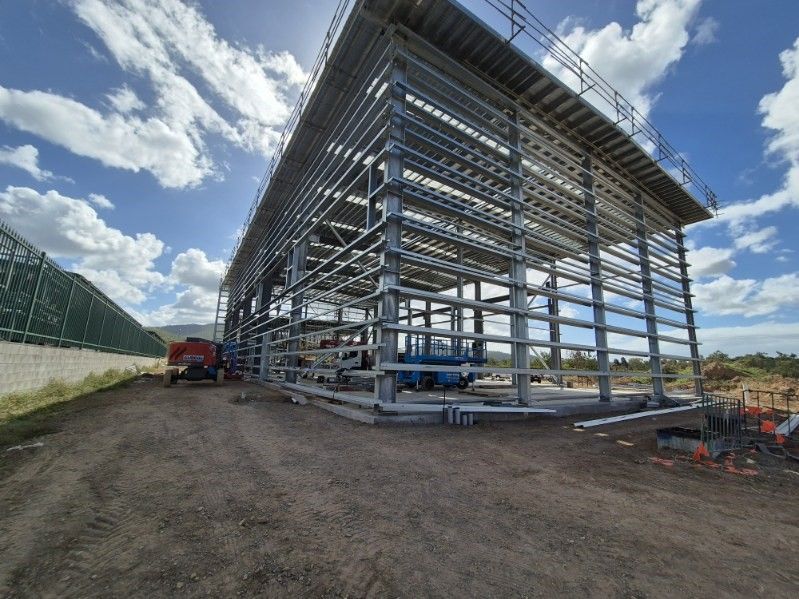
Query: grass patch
{"x": 30, "y": 413}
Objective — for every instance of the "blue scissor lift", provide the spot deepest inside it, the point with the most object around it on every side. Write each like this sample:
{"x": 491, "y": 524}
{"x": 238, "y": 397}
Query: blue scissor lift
{"x": 423, "y": 350}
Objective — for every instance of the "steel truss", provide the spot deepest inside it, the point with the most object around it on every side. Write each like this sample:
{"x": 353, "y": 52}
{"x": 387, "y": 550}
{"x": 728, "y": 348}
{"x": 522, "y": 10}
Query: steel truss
{"x": 428, "y": 184}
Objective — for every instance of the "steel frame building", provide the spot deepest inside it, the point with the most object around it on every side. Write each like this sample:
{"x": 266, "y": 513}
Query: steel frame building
{"x": 437, "y": 183}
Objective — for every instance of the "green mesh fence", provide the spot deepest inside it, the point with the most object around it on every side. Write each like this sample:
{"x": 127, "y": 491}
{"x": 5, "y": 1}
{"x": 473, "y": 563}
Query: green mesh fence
{"x": 43, "y": 304}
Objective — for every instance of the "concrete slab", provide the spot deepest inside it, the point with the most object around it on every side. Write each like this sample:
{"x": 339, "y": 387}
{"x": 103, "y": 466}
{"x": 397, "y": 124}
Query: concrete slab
{"x": 565, "y": 402}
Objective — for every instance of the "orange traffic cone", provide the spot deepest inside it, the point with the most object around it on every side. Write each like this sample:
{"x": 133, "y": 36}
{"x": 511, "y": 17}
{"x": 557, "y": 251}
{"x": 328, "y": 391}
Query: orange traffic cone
{"x": 701, "y": 451}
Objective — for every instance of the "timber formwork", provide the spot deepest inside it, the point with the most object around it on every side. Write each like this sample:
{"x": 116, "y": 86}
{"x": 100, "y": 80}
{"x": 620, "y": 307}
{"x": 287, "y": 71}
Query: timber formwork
{"x": 438, "y": 184}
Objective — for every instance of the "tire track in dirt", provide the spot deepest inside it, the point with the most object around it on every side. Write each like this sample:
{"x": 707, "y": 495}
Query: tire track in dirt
{"x": 347, "y": 546}
{"x": 105, "y": 537}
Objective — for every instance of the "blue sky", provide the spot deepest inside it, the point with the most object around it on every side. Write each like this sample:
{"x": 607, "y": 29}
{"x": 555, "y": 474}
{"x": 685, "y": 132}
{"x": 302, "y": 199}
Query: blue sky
{"x": 133, "y": 133}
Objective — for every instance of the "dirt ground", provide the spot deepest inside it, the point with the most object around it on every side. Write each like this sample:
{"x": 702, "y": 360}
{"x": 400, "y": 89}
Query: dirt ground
{"x": 146, "y": 491}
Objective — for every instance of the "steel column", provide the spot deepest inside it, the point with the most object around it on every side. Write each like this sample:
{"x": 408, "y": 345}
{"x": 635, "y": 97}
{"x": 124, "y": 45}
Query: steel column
{"x": 479, "y": 325}
{"x": 597, "y": 291}
{"x": 299, "y": 255}
{"x": 518, "y": 265}
{"x": 689, "y": 311}
{"x": 553, "y": 309}
{"x": 428, "y": 339}
{"x": 388, "y": 309}
{"x": 649, "y": 301}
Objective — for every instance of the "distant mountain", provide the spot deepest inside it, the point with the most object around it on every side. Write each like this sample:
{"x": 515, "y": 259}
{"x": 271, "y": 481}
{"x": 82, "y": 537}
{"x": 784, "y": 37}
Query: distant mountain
{"x": 178, "y": 332}
{"x": 498, "y": 355}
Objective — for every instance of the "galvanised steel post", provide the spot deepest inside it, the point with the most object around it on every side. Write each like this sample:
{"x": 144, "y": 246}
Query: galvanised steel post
{"x": 372, "y": 185}
{"x": 479, "y": 326}
{"x": 689, "y": 311}
{"x": 66, "y": 311}
{"x": 518, "y": 265}
{"x": 32, "y": 307}
{"x": 649, "y": 300}
{"x": 597, "y": 292}
{"x": 553, "y": 309}
{"x": 388, "y": 308}
{"x": 428, "y": 339}
{"x": 264, "y": 299}
{"x": 459, "y": 313}
{"x": 299, "y": 255}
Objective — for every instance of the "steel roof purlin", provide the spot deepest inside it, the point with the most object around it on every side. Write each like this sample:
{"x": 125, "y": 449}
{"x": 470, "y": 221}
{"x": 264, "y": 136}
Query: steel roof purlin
{"x": 458, "y": 34}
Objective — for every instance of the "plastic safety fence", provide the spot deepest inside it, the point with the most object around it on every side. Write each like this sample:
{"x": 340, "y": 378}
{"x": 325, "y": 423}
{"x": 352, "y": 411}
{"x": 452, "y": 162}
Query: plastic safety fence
{"x": 40, "y": 303}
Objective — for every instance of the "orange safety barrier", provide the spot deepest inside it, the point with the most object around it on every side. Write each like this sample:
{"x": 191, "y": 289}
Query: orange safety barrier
{"x": 767, "y": 426}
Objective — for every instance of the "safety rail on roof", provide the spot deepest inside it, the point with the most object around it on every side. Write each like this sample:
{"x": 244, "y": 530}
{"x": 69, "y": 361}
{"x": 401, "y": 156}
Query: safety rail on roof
{"x": 43, "y": 304}
{"x": 521, "y": 21}
{"x": 524, "y": 22}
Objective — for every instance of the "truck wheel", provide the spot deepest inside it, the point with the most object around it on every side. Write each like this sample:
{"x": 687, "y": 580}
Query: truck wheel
{"x": 463, "y": 382}
{"x": 428, "y": 383}
{"x": 168, "y": 377}
{"x": 220, "y": 376}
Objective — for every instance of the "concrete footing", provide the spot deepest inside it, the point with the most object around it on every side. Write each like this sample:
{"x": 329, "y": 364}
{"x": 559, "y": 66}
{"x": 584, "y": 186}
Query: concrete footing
{"x": 434, "y": 413}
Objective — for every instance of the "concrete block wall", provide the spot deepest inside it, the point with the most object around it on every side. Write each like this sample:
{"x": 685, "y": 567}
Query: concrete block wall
{"x": 24, "y": 367}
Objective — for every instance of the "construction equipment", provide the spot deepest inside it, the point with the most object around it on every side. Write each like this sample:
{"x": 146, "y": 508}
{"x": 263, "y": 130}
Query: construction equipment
{"x": 425, "y": 350}
{"x": 195, "y": 359}
{"x": 345, "y": 362}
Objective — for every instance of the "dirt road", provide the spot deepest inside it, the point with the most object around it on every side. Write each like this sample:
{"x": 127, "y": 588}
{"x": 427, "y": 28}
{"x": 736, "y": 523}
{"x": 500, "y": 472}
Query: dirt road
{"x": 148, "y": 491}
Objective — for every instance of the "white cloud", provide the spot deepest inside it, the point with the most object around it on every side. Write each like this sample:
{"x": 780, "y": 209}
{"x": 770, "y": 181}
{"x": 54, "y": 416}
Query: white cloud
{"x": 193, "y": 268}
{"x": 167, "y": 44}
{"x": 706, "y": 31}
{"x": 758, "y": 241}
{"x": 191, "y": 305}
{"x": 101, "y": 201}
{"x": 173, "y": 156}
{"x": 710, "y": 261}
{"x": 780, "y": 112}
{"x": 632, "y": 61}
{"x": 769, "y": 337}
{"x": 197, "y": 280}
{"x": 69, "y": 228}
{"x": 25, "y": 157}
{"x": 726, "y": 296}
{"x": 156, "y": 39}
{"x": 124, "y": 100}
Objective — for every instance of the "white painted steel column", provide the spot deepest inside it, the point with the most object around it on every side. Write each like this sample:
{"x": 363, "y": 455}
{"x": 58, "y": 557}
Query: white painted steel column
{"x": 388, "y": 309}
{"x": 597, "y": 292}
{"x": 518, "y": 266}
